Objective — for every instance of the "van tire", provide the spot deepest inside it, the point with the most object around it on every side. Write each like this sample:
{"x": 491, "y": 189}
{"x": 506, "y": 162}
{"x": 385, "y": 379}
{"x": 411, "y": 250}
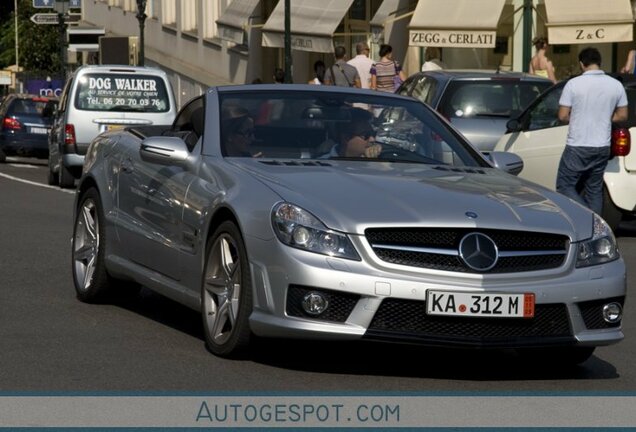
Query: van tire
{"x": 66, "y": 177}
{"x": 52, "y": 178}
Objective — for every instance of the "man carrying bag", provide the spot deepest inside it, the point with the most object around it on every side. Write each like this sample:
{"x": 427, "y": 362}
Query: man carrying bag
{"x": 340, "y": 73}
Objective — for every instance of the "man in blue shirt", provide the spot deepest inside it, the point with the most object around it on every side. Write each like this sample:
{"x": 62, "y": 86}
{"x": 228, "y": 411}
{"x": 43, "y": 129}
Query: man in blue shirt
{"x": 589, "y": 103}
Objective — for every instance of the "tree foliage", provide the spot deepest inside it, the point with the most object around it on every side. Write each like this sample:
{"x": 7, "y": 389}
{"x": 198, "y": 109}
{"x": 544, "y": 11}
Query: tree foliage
{"x": 38, "y": 44}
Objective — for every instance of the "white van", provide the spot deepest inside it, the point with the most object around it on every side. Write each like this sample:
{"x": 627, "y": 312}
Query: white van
{"x": 97, "y": 98}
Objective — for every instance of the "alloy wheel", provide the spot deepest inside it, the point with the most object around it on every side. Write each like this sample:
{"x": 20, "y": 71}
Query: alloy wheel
{"x": 222, "y": 289}
{"x": 86, "y": 244}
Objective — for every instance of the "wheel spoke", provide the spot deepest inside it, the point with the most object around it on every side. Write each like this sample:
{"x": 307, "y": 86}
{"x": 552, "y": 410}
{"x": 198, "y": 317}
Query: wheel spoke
{"x": 229, "y": 266}
{"x": 88, "y": 275}
{"x": 89, "y": 222}
{"x": 222, "y": 316}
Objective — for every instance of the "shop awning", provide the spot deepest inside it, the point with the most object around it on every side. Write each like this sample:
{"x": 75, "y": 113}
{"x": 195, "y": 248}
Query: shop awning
{"x": 387, "y": 9}
{"x": 312, "y": 22}
{"x": 455, "y": 23}
{"x": 234, "y": 20}
{"x": 589, "y": 21}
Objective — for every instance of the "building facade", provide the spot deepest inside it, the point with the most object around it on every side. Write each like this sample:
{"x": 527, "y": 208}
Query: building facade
{"x": 201, "y": 43}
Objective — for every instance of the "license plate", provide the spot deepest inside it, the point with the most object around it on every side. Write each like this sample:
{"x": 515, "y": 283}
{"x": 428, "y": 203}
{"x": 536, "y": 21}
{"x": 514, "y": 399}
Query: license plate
{"x": 113, "y": 127}
{"x": 38, "y": 130}
{"x": 497, "y": 305}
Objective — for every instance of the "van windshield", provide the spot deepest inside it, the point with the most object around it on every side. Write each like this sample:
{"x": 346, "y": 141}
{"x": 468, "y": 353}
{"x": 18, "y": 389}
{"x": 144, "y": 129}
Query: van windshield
{"x": 122, "y": 93}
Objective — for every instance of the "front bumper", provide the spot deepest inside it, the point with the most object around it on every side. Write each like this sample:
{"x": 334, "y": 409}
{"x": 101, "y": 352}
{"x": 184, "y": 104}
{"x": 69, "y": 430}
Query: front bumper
{"x": 388, "y": 301}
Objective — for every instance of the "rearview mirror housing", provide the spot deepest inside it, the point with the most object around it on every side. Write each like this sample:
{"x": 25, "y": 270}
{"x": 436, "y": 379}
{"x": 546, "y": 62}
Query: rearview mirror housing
{"x": 508, "y": 162}
{"x": 164, "y": 150}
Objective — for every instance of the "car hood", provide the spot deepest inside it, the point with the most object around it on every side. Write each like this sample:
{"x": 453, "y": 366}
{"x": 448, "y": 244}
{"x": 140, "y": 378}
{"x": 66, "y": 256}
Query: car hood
{"x": 353, "y": 196}
{"x": 483, "y": 132}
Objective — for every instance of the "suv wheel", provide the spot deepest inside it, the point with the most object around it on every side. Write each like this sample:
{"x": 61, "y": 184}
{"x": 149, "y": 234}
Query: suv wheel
{"x": 66, "y": 177}
{"x": 52, "y": 178}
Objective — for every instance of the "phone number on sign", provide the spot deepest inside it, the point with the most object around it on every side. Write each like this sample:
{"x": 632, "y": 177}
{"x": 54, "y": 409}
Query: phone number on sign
{"x": 297, "y": 413}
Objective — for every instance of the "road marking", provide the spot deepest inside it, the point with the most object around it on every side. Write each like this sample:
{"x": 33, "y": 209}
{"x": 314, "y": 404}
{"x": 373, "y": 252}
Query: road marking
{"x": 17, "y": 165}
{"x": 36, "y": 183}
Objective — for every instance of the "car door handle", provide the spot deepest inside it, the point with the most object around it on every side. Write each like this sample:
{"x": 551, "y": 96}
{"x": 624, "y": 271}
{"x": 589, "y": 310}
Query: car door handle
{"x": 127, "y": 165}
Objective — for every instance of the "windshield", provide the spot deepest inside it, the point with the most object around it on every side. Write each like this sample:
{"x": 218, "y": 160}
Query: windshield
{"x": 28, "y": 106}
{"x": 344, "y": 126}
{"x": 122, "y": 93}
{"x": 491, "y": 98}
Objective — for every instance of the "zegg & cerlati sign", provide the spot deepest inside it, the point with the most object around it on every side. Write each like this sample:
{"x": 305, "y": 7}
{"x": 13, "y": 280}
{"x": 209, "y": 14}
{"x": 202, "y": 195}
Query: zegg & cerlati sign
{"x": 453, "y": 38}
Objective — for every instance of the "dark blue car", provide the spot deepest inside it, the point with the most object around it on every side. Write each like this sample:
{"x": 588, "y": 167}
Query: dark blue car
{"x": 26, "y": 123}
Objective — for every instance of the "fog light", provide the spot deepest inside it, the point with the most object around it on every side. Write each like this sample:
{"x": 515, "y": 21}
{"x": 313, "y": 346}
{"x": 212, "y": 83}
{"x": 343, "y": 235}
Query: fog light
{"x": 612, "y": 312}
{"x": 314, "y": 303}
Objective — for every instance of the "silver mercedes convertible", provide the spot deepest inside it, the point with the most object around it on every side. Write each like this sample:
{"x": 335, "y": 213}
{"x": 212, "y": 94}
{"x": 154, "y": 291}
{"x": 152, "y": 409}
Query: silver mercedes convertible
{"x": 319, "y": 212}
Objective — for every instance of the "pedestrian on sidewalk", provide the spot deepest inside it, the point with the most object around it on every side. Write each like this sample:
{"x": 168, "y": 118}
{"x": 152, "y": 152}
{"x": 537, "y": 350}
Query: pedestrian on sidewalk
{"x": 589, "y": 103}
{"x": 340, "y": 73}
{"x": 363, "y": 64}
{"x": 387, "y": 74}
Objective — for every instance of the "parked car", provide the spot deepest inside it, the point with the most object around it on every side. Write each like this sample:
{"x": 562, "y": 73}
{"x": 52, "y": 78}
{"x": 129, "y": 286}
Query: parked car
{"x": 477, "y": 103}
{"x": 97, "y": 98}
{"x": 538, "y": 137}
{"x": 427, "y": 243}
{"x": 26, "y": 123}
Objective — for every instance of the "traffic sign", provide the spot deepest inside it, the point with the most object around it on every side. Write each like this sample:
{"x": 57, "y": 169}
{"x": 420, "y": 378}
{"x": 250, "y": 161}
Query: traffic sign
{"x": 45, "y": 18}
{"x": 53, "y": 18}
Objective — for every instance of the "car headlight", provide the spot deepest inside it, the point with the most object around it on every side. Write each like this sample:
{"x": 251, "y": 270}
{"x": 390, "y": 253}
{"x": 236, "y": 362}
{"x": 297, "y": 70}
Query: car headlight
{"x": 300, "y": 229}
{"x": 601, "y": 248}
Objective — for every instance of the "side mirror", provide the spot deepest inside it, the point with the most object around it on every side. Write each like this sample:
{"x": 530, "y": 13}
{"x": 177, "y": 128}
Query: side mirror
{"x": 508, "y": 162}
{"x": 164, "y": 150}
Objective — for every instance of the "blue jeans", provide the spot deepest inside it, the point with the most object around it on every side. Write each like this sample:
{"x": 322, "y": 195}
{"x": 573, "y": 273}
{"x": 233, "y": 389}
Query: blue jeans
{"x": 580, "y": 175}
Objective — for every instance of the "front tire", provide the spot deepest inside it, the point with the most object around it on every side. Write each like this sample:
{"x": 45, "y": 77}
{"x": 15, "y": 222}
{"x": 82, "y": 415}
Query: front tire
{"x": 226, "y": 294}
{"x": 90, "y": 278}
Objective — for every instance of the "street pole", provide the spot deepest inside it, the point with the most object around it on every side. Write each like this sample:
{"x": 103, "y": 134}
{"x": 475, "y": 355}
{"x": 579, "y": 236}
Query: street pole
{"x": 17, "y": 57}
{"x": 288, "y": 57}
{"x": 61, "y": 26}
{"x": 527, "y": 34}
{"x": 141, "y": 16}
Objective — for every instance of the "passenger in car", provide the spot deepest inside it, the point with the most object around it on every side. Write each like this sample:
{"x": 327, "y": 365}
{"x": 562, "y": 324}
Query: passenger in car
{"x": 237, "y": 132}
{"x": 356, "y": 138}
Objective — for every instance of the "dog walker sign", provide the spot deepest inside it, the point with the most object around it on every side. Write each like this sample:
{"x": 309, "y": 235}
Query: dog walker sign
{"x": 123, "y": 93}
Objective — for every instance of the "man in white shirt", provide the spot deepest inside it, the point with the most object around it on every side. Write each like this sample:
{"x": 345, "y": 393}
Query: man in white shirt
{"x": 589, "y": 103}
{"x": 363, "y": 64}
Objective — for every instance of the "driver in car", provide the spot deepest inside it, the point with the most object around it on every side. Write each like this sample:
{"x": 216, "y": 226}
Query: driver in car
{"x": 356, "y": 138}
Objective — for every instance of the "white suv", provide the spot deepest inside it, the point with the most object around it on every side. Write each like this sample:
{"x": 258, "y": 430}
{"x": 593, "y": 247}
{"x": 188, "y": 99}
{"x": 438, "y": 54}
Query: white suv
{"x": 97, "y": 98}
{"x": 539, "y": 138}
